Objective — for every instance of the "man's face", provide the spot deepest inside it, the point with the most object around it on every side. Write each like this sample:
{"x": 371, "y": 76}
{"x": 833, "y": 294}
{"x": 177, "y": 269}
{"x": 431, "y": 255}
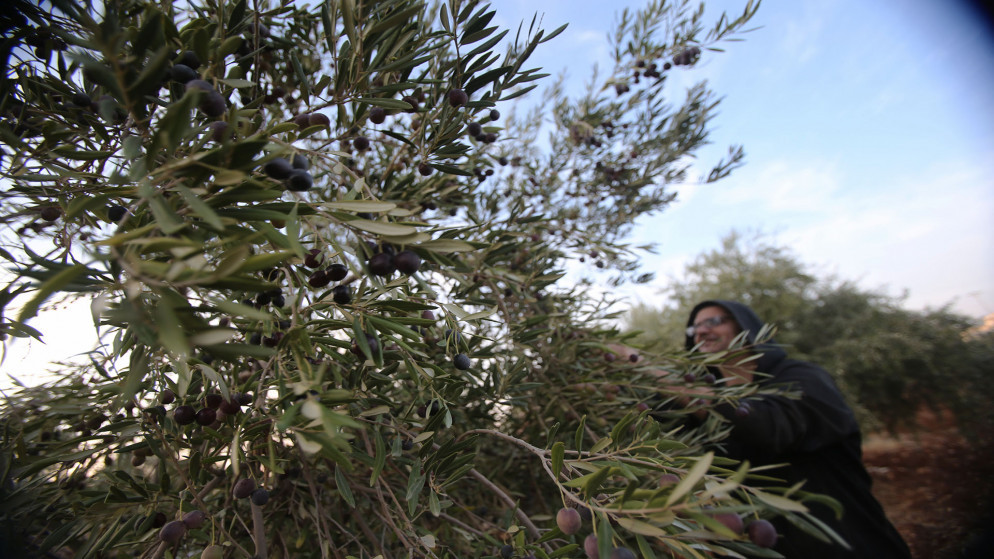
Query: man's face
{"x": 714, "y": 329}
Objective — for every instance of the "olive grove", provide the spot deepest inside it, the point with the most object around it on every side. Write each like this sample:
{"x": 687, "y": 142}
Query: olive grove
{"x": 327, "y": 273}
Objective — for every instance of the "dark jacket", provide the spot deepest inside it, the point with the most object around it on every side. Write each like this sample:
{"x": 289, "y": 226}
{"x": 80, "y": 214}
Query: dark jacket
{"x": 818, "y": 437}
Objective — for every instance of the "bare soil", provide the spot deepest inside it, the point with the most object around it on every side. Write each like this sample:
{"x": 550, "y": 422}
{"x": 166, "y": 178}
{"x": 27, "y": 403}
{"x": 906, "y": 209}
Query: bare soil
{"x": 937, "y": 488}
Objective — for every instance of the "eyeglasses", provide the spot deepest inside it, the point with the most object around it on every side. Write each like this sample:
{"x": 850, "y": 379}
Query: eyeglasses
{"x": 712, "y": 322}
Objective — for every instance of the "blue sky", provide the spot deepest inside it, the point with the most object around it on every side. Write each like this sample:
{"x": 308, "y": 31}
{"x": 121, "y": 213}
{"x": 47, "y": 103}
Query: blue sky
{"x": 869, "y": 133}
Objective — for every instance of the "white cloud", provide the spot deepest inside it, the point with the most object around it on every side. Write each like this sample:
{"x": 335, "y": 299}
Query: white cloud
{"x": 929, "y": 233}
{"x": 782, "y": 187}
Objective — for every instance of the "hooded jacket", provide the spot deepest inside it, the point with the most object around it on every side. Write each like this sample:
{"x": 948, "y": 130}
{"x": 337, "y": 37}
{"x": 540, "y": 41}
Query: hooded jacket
{"x": 817, "y": 436}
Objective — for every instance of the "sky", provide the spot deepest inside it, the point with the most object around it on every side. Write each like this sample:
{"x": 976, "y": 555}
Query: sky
{"x": 869, "y": 134}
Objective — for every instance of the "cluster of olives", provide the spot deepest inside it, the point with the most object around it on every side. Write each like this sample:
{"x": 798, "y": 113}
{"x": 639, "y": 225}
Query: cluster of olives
{"x": 306, "y": 120}
{"x": 570, "y": 520}
{"x": 475, "y": 129}
{"x": 185, "y": 71}
{"x": 174, "y": 531}
{"x": 686, "y": 57}
{"x": 649, "y": 70}
{"x": 385, "y": 263}
{"x": 295, "y": 174}
{"x": 245, "y": 488}
{"x": 341, "y": 294}
{"x": 214, "y": 408}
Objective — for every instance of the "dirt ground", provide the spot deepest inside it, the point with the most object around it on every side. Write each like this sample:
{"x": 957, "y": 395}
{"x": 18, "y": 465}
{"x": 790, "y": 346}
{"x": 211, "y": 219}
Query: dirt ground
{"x": 937, "y": 488}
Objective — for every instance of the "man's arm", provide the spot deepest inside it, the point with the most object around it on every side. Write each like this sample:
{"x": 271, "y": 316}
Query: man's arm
{"x": 780, "y": 423}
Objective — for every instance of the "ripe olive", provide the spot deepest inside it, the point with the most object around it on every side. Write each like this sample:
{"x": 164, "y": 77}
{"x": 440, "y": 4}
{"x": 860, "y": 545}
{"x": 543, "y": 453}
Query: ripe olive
{"x": 462, "y": 361}
{"x": 194, "y": 519}
{"x": 313, "y": 258}
{"x": 382, "y": 264}
{"x": 231, "y": 407}
{"x": 731, "y": 521}
{"x": 184, "y": 415}
{"x": 302, "y": 120}
{"x": 182, "y": 73}
{"x": 318, "y": 119}
{"x": 337, "y": 272}
{"x": 743, "y": 410}
{"x": 318, "y": 279}
{"x": 278, "y": 168}
{"x": 260, "y": 497}
{"x": 668, "y": 479}
{"x": 202, "y": 85}
{"x": 51, "y": 213}
{"x": 458, "y": 97}
{"x": 341, "y": 294}
{"x": 243, "y": 488}
{"x": 569, "y": 521}
{"x": 189, "y": 59}
{"x": 206, "y": 416}
{"x": 300, "y": 162}
{"x": 374, "y": 346}
{"x": 213, "y": 400}
{"x": 219, "y": 130}
{"x": 590, "y": 547}
{"x": 214, "y": 104}
{"x": 762, "y": 533}
{"x": 172, "y": 532}
{"x": 377, "y": 115}
{"x": 299, "y": 181}
{"x": 407, "y": 262}
{"x": 81, "y": 99}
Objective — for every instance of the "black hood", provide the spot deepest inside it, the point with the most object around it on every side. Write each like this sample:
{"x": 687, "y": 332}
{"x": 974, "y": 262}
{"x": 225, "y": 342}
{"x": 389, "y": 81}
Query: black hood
{"x": 747, "y": 320}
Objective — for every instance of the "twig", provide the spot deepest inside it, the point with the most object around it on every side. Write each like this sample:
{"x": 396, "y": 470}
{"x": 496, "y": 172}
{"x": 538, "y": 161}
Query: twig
{"x": 319, "y": 516}
{"x": 532, "y": 529}
{"x": 387, "y": 518}
{"x": 259, "y": 532}
{"x": 461, "y": 524}
{"x": 369, "y": 532}
{"x": 159, "y": 550}
{"x": 208, "y": 487}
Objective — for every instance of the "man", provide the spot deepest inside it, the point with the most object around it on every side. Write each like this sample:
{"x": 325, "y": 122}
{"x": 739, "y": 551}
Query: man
{"x": 816, "y": 435}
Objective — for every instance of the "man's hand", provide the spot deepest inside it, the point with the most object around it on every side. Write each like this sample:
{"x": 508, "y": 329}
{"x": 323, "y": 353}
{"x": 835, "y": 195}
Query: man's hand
{"x": 674, "y": 383}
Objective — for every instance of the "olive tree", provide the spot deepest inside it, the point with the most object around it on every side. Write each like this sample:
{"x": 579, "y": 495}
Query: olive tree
{"x": 328, "y": 278}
